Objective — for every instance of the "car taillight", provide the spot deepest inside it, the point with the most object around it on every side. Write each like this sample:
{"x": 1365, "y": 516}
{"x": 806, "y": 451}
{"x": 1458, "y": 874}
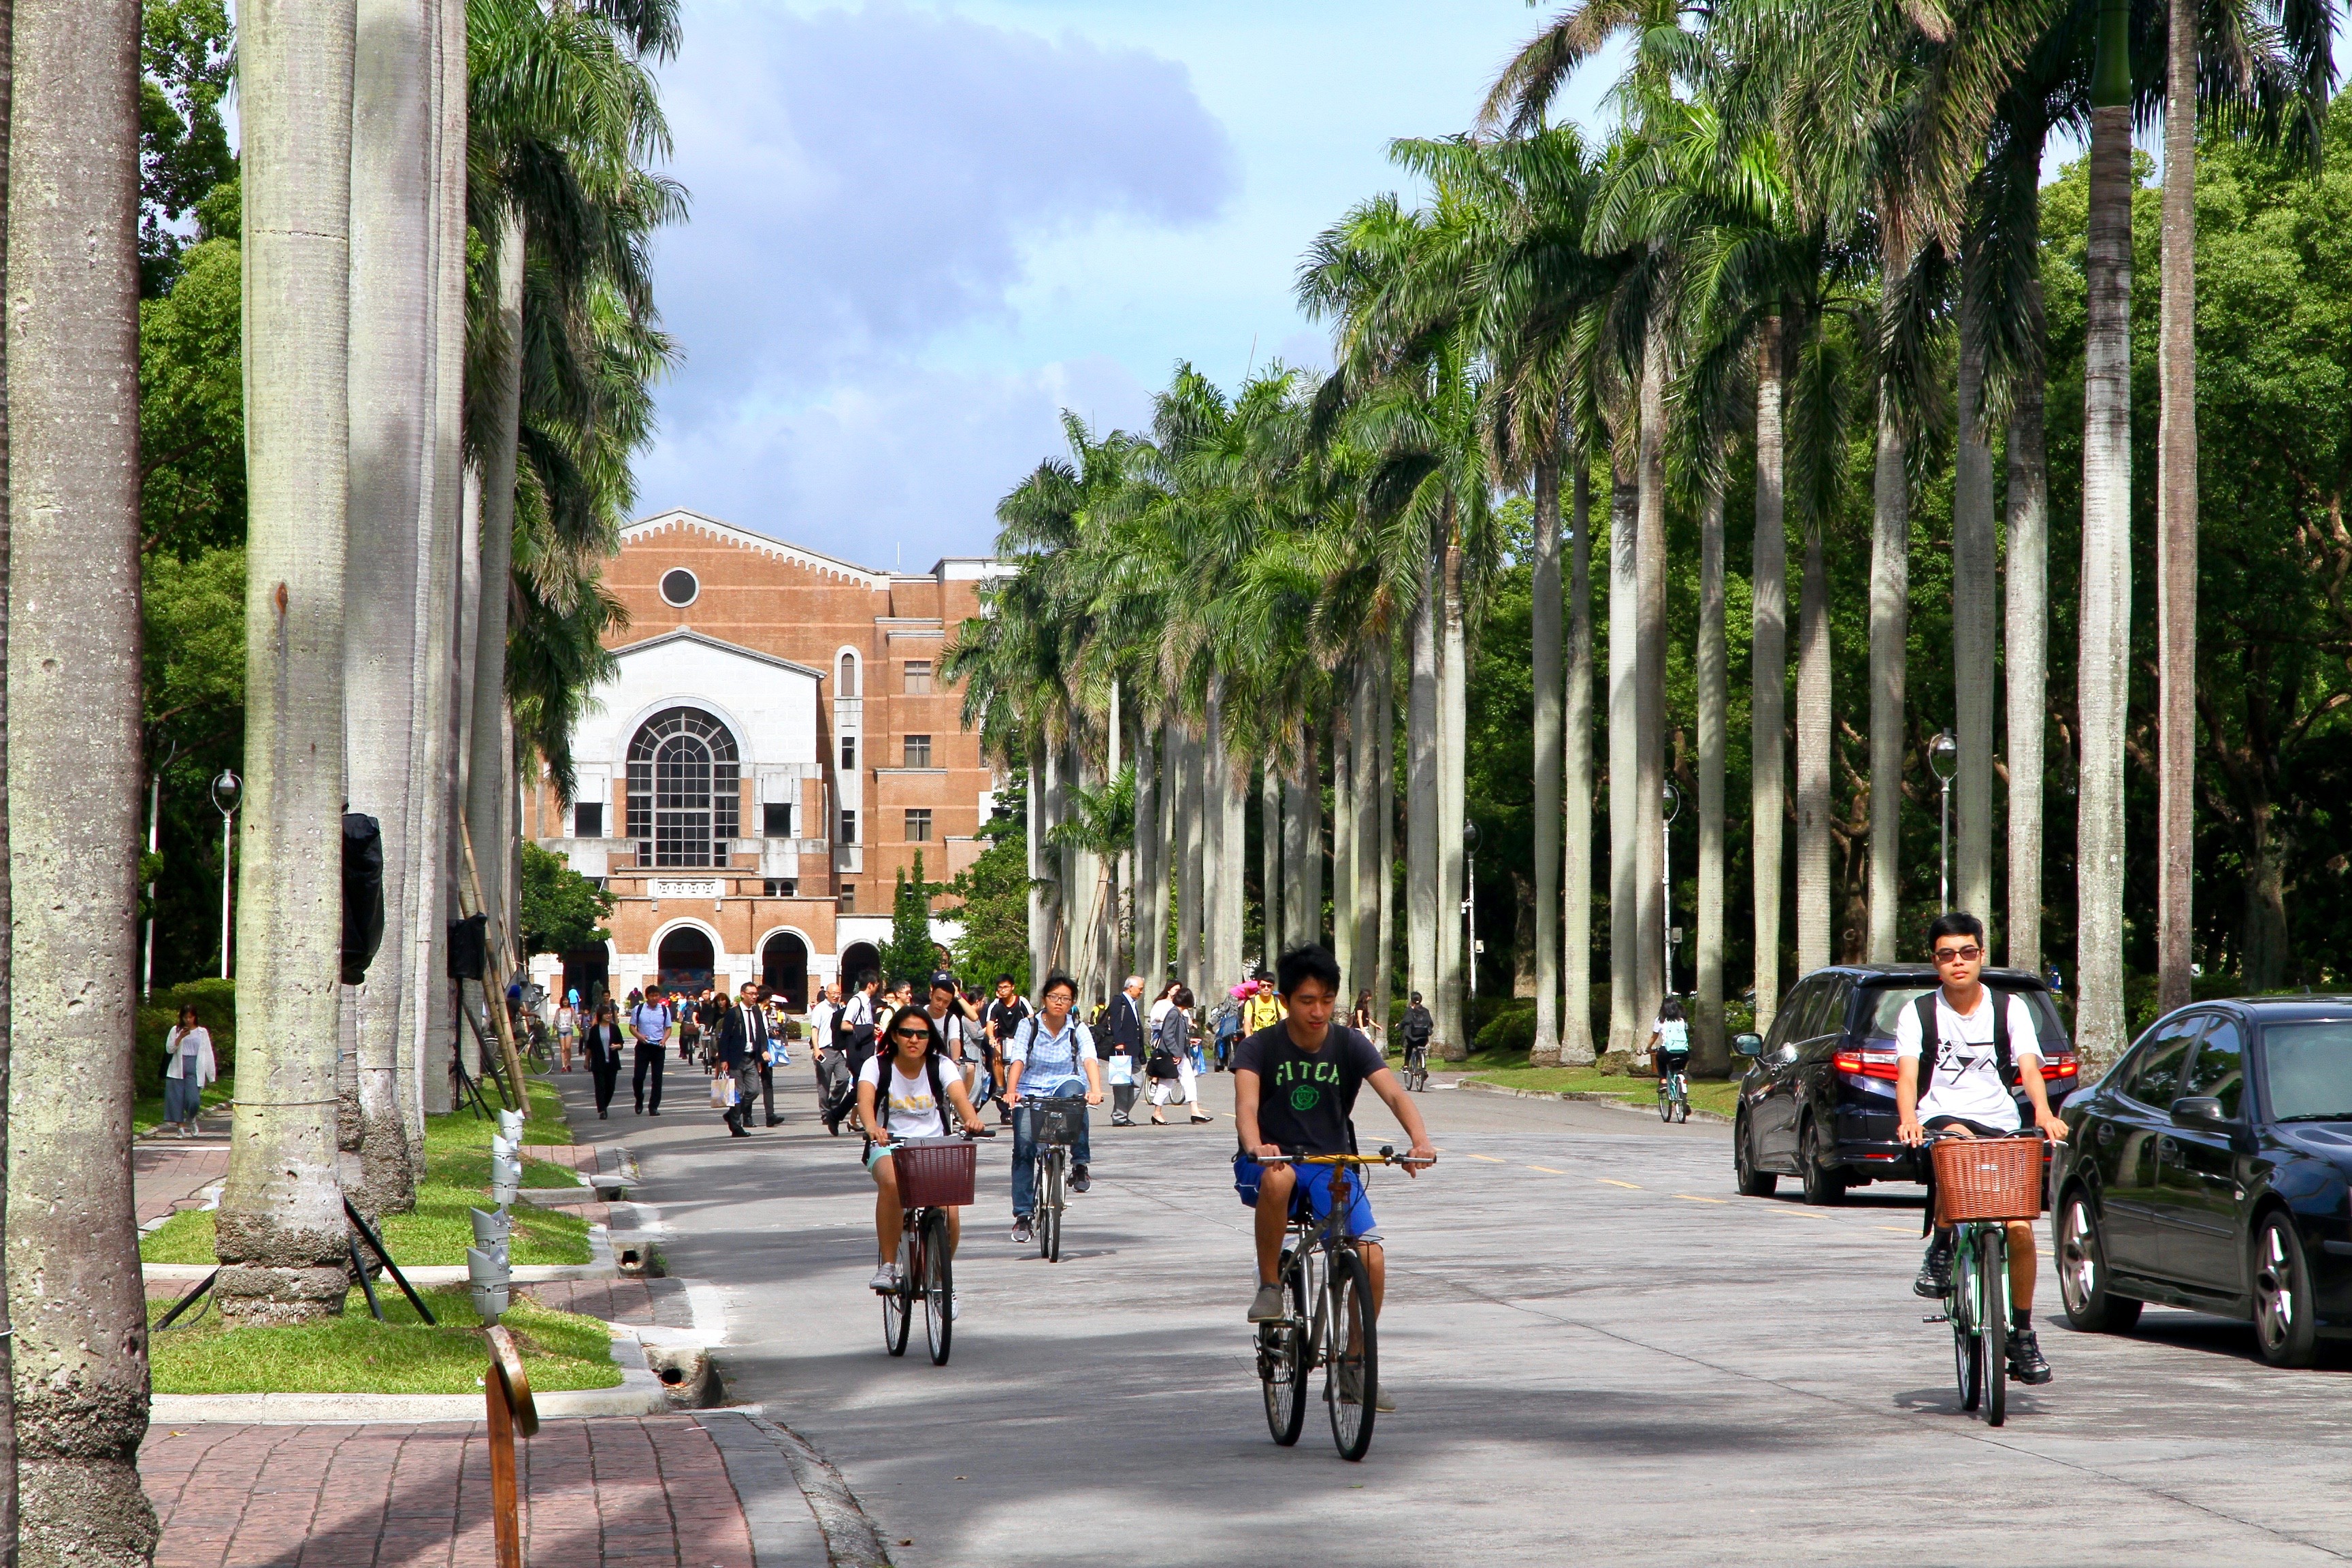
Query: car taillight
{"x": 1866, "y": 1064}
{"x": 2061, "y": 1067}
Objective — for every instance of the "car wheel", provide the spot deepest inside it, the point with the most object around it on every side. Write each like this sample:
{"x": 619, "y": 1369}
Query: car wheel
{"x": 1753, "y": 1182}
{"x": 2091, "y": 1306}
{"x": 1824, "y": 1184}
{"x": 2286, "y": 1328}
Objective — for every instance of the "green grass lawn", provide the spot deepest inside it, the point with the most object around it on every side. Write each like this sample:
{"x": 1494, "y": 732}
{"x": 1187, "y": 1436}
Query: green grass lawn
{"x": 356, "y": 1354}
{"x": 1510, "y": 1069}
{"x": 457, "y": 1177}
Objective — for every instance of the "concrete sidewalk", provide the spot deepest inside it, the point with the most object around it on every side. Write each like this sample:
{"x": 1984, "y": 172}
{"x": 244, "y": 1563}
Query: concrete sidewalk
{"x": 712, "y": 1490}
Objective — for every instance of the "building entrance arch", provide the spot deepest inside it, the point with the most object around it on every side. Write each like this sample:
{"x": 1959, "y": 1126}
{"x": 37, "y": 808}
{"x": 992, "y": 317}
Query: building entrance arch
{"x": 857, "y": 960}
{"x": 783, "y": 969}
{"x": 687, "y": 959}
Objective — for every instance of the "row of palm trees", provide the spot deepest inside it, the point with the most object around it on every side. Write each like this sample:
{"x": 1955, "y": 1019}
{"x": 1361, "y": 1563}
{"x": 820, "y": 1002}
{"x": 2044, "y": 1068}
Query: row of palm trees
{"x": 448, "y": 338}
{"x": 1799, "y": 208}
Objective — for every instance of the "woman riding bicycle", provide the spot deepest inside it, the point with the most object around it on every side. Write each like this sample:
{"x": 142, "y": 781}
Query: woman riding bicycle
{"x": 921, "y": 1083}
{"x": 1051, "y": 1055}
{"x": 1671, "y": 1039}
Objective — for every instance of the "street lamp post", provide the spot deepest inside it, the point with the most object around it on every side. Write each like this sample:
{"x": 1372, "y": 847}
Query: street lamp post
{"x": 1673, "y": 808}
{"x": 227, "y": 790}
{"x": 1944, "y": 761}
{"x": 1470, "y": 909}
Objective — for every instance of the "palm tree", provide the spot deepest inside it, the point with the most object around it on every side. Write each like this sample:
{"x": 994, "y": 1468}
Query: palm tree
{"x": 76, "y": 1305}
{"x": 2104, "y": 673}
{"x": 392, "y": 390}
{"x": 8, "y": 1511}
{"x": 2175, "y": 514}
{"x": 280, "y": 1231}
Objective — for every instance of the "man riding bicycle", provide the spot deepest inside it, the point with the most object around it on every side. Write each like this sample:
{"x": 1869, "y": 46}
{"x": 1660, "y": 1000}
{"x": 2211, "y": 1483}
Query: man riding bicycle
{"x": 1312, "y": 1069}
{"x": 1977, "y": 1032}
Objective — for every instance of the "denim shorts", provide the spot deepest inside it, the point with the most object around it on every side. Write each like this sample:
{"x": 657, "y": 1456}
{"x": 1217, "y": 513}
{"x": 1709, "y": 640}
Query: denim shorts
{"x": 1313, "y": 1193}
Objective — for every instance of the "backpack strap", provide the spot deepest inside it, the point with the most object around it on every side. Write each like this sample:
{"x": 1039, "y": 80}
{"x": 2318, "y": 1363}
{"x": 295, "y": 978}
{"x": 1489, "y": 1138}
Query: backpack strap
{"x": 1931, "y": 1040}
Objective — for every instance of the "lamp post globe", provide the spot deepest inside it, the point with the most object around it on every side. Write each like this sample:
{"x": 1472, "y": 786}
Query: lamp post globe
{"x": 227, "y": 791}
{"x": 1944, "y": 762}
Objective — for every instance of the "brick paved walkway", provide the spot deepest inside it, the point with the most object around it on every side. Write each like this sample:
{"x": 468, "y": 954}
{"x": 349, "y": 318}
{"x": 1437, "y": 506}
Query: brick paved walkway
{"x": 609, "y": 1493}
{"x": 164, "y": 1176}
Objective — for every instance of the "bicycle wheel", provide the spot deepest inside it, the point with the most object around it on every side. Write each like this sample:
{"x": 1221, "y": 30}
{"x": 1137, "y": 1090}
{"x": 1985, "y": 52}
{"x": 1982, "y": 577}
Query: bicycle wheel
{"x": 1351, "y": 1388}
{"x": 1049, "y": 1206}
{"x": 937, "y": 1285}
{"x": 898, "y": 1306}
{"x": 1282, "y": 1361}
{"x": 1665, "y": 1101}
{"x": 1961, "y": 1307}
{"x": 1992, "y": 1339}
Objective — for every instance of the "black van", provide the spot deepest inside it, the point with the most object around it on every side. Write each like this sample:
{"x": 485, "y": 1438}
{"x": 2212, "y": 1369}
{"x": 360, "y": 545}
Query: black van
{"x": 1818, "y": 1099}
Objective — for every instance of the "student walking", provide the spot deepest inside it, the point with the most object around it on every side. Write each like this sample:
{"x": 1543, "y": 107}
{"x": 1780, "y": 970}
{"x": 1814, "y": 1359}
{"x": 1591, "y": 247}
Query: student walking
{"x": 601, "y": 1046}
{"x": 1174, "y": 1076}
{"x": 1123, "y": 1035}
{"x": 188, "y": 1066}
{"x": 567, "y": 1029}
{"x": 650, "y": 1020}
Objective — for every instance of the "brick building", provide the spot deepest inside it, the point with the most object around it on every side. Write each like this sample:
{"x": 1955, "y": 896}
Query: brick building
{"x": 775, "y": 745}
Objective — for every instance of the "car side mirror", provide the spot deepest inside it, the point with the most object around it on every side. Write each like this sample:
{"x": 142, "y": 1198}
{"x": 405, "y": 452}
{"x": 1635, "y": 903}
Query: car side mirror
{"x": 2200, "y": 1110}
{"x": 1747, "y": 1045}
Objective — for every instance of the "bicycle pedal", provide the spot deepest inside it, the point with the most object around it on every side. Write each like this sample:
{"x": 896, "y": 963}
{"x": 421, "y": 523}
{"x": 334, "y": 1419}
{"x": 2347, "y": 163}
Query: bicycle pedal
{"x": 1939, "y": 1317}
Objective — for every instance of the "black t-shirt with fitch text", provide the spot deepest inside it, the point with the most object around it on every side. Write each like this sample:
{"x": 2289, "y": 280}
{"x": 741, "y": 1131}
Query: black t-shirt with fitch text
{"x": 1305, "y": 1098}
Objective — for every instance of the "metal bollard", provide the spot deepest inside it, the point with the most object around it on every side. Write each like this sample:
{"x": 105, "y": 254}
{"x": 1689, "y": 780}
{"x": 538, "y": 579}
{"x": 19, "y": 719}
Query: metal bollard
{"x": 507, "y": 1390}
{"x": 488, "y": 1277}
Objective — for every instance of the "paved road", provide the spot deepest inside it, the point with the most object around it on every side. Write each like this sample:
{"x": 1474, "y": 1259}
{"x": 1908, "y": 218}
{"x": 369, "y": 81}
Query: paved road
{"x": 1595, "y": 1341}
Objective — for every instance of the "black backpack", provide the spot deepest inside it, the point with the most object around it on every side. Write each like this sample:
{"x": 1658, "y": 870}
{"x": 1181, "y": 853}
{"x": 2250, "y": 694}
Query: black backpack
{"x": 1931, "y": 1039}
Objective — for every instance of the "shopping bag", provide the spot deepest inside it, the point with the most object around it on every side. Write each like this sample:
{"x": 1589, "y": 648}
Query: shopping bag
{"x": 1122, "y": 1070}
{"x": 722, "y": 1092}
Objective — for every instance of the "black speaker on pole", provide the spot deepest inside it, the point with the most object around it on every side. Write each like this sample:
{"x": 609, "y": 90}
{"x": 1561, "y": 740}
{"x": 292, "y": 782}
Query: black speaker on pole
{"x": 469, "y": 947}
{"x": 362, "y": 894}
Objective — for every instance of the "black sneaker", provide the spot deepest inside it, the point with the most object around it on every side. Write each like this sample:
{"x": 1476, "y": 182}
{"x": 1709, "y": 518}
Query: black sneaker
{"x": 1079, "y": 1180}
{"x": 1935, "y": 1280}
{"x": 2025, "y": 1362}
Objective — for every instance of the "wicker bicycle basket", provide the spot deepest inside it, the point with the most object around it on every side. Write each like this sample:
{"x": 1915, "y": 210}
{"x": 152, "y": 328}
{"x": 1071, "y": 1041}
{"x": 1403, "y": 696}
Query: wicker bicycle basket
{"x": 1987, "y": 1178}
{"x": 934, "y": 1172}
{"x": 1056, "y": 1121}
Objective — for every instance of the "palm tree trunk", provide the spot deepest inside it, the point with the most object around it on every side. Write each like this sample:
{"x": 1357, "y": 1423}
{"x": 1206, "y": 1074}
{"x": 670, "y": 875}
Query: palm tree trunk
{"x": 1650, "y": 577}
{"x": 1343, "y": 837}
{"x": 486, "y": 779}
{"x": 1890, "y": 588}
{"x": 1814, "y": 722}
{"x": 467, "y": 613}
{"x": 2027, "y": 660}
{"x": 1149, "y": 937}
{"x": 1624, "y": 769}
{"x": 1544, "y": 627}
{"x": 392, "y": 295}
{"x": 1232, "y": 847}
{"x": 79, "y": 1369}
{"x": 1768, "y": 673}
{"x": 1062, "y": 769}
{"x": 1190, "y": 809}
{"x": 1041, "y": 917}
{"x": 1372, "y": 808}
{"x": 1710, "y": 1052}
{"x": 280, "y": 1230}
{"x": 1576, "y": 886}
{"x": 9, "y": 1481}
{"x": 1213, "y": 786}
{"x": 1293, "y": 848}
{"x": 1269, "y": 861}
{"x": 2176, "y": 518}
{"x": 1454, "y": 1023}
{"x": 2104, "y": 665}
{"x": 1422, "y": 913}
{"x": 1973, "y": 615}
{"x": 1384, "y": 760}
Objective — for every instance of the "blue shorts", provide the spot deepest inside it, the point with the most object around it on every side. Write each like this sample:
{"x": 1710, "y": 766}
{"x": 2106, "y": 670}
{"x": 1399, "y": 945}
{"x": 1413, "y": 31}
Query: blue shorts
{"x": 1313, "y": 1193}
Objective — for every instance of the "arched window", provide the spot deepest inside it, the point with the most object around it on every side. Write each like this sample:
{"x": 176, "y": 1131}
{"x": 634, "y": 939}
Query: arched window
{"x": 683, "y": 789}
{"x": 847, "y": 685}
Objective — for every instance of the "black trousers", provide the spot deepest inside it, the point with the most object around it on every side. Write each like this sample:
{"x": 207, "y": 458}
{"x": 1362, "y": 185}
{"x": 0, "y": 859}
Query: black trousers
{"x": 649, "y": 1060}
{"x": 604, "y": 1068}
{"x": 767, "y": 1071}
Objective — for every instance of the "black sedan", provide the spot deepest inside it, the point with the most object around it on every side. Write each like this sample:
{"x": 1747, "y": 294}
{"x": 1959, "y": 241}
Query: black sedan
{"x": 2211, "y": 1169}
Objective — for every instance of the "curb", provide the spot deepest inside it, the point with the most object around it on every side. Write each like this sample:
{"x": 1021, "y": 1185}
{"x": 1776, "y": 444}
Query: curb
{"x": 780, "y": 1520}
{"x": 850, "y": 1538}
{"x": 1587, "y": 1097}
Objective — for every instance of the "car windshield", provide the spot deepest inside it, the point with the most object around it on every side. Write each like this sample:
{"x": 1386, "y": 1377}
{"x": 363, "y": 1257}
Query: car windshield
{"x": 2309, "y": 1070}
{"x": 1885, "y": 1005}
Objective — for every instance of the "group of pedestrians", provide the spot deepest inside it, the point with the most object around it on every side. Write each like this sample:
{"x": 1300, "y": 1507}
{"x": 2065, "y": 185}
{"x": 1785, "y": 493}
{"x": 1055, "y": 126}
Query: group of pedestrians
{"x": 741, "y": 1040}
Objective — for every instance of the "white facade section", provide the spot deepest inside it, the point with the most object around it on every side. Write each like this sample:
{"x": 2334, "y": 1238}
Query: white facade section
{"x": 769, "y": 704}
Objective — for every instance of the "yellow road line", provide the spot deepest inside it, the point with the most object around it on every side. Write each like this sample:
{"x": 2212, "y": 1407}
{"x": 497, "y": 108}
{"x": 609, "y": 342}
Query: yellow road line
{"x": 1547, "y": 1169}
{"x": 1612, "y": 1180}
{"x": 1488, "y": 1157}
{"x": 1695, "y": 1198}
{"x": 1899, "y": 1230}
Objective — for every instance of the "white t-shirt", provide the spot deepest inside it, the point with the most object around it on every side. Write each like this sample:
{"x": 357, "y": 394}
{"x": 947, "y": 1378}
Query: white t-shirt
{"x": 1160, "y": 1011}
{"x": 1965, "y": 1080}
{"x": 913, "y": 1114}
{"x": 820, "y": 1025}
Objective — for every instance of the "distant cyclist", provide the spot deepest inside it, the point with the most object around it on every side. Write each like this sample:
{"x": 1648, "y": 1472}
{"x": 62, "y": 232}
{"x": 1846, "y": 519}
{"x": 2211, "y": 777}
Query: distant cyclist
{"x": 1671, "y": 1039}
{"x": 1051, "y": 1055}
{"x": 1977, "y": 1032}
{"x": 1295, "y": 1088}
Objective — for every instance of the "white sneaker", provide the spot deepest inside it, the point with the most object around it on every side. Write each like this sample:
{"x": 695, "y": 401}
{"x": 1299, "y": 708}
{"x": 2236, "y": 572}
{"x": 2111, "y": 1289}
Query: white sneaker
{"x": 885, "y": 1280}
{"x": 955, "y": 1305}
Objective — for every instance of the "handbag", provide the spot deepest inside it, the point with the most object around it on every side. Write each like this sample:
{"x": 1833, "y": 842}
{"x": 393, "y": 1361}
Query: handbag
{"x": 1162, "y": 1066}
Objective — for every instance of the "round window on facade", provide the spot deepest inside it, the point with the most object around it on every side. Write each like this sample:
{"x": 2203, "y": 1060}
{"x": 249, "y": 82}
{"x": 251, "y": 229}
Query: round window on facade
{"x": 678, "y": 588}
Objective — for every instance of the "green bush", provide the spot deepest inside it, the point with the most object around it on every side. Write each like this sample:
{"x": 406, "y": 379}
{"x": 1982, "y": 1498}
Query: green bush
{"x": 1510, "y": 1030}
{"x": 215, "y": 1005}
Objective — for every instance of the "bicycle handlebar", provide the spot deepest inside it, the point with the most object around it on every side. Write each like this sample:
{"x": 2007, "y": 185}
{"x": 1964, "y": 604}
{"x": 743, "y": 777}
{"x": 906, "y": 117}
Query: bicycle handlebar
{"x": 1387, "y": 1156}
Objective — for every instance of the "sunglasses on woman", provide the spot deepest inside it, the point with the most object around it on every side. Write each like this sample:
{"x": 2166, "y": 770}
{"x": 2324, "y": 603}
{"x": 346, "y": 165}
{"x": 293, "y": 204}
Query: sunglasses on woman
{"x": 923, "y": 1035}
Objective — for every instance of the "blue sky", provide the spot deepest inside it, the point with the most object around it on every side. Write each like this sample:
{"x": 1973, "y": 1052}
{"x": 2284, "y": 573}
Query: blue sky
{"x": 920, "y": 232}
